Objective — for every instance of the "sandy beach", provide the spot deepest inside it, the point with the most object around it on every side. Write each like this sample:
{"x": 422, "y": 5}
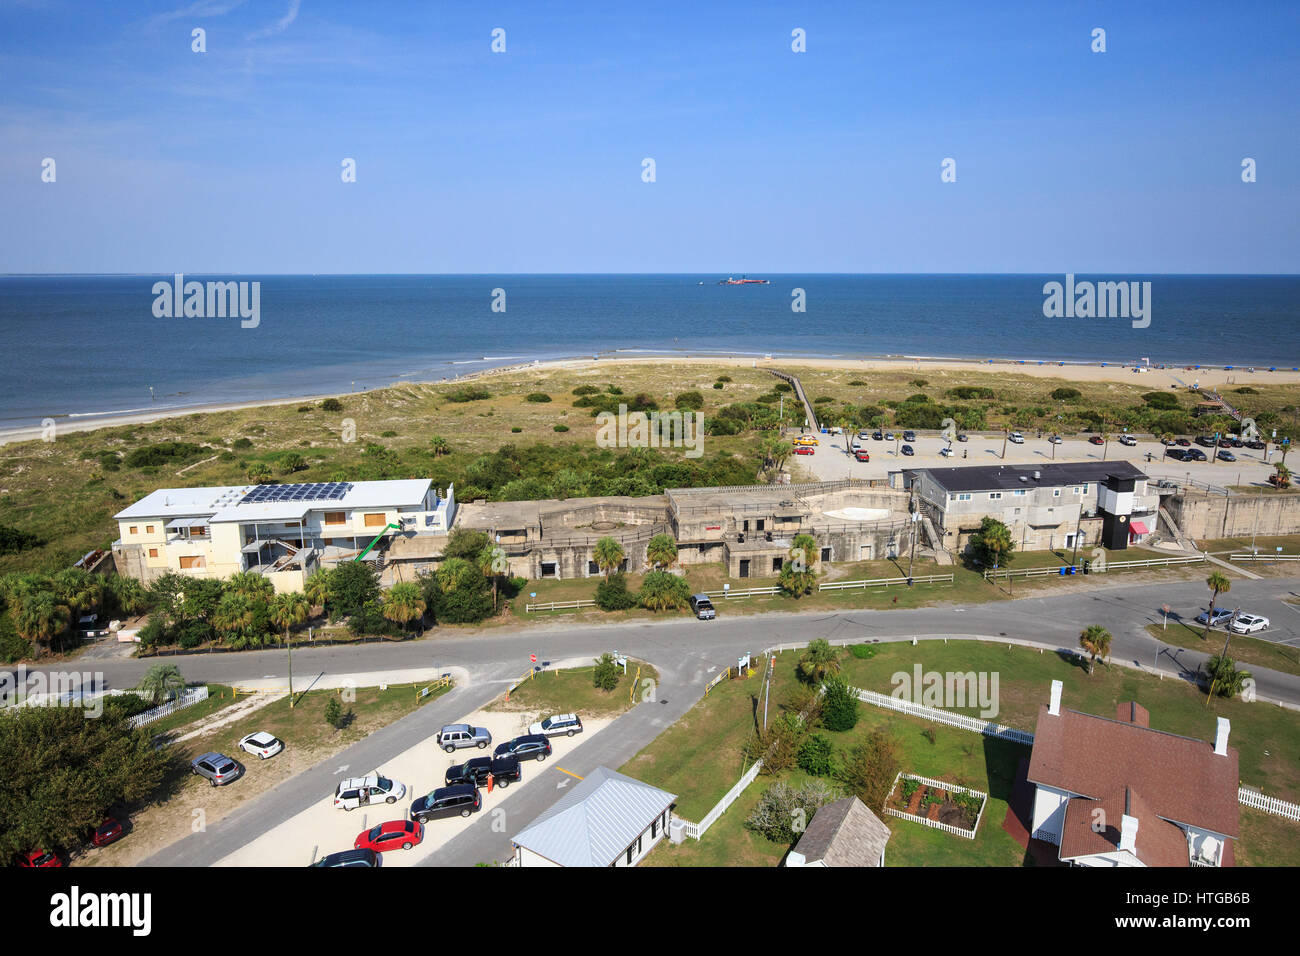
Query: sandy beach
{"x": 1181, "y": 376}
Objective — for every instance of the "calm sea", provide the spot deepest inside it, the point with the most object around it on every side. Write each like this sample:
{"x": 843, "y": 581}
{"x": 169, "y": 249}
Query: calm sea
{"x": 90, "y": 345}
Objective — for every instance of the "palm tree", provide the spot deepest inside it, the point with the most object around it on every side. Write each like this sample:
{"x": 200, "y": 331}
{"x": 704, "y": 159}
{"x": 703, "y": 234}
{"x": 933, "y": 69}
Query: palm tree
{"x": 39, "y": 617}
{"x": 235, "y": 615}
{"x": 662, "y": 550}
{"x": 1283, "y": 474}
{"x": 161, "y": 682}
{"x": 1225, "y": 679}
{"x": 608, "y": 555}
{"x": 81, "y": 591}
{"x": 259, "y": 473}
{"x": 250, "y": 584}
{"x": 439, "y": 446}
{"x": 1095, "y": 639}
{"x": 317, "y": 589}
{"x": 1218, "y": 583}
{"x": 1105, "y": 444}
{"x": 403, "y": 603}
{"x": 491, "y": 561}
{"x": 776, "y": 451}
{"x": 819, "y": 660}
{"x": 130, "y": 595}
{"x": 289, "y": 609}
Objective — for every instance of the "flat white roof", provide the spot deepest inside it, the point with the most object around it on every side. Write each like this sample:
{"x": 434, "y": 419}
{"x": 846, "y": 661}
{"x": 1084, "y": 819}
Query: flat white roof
{"x": 223, "y": 503}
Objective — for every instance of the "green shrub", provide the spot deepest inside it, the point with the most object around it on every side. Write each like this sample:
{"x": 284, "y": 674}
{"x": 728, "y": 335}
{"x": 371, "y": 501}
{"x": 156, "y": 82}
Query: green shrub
{"x": 162, "y": 453}
{"x": 967, "y": 392}
{"x": 331, "y": 405}
{"x": 817, "y": 756}
{"x": 718, "y": 385}
{"x": 468, "y": 393}
{"x": 606, "y": 674}
{"x": 613, "y": 595}
{"x": 839, "y": 705}
{"x": 586, "y": 390}
{"x": 560, "y": 428}
{"x": 783, "y": 812}
{"x": 1065, "y": 394}
{"x": 515, "y": 430}
{"x": 692, "y": 400}
{"x": 723, "y": 378}
{"x": 242, "y": 443}
{"x": 1165, "y": 401}
{"x": 538, "y": 397}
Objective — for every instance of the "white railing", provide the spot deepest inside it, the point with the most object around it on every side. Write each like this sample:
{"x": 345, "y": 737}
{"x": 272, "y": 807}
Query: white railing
{"x": 697, "y": 830}
{"x": 1096, "y": 568}
{"x": 186, "y": 699}
{"x": 1264, "y": 557}
{"x": 558, "y": 606}
{"x": 951, "y": 788}
{"x": 986, "y": 727}
{"x": 1273, "y": 805}
{"x": 744, "y": 592}
{"x": 885, "y": 582}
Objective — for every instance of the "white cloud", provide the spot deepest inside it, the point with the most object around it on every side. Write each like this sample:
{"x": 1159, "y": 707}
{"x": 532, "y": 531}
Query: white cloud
{"x": 280, "y": 25}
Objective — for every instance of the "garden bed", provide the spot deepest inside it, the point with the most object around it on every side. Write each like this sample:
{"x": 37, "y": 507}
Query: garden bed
{"x": 934, "y": 803}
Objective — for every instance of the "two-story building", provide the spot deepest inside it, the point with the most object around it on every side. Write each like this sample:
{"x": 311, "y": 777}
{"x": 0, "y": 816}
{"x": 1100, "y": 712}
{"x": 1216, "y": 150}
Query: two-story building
{"x": 282, "y": 531}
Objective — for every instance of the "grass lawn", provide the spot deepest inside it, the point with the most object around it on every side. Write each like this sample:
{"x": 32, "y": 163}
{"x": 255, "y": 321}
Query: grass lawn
{"x": 1242, "y": 648}
{"x": 728, "y": 842}
{"x": 1266, "y": 840}
{"x": 219, "y": 697}
{"x": 1289, "y": 543}
{"x": 572, "y": 691}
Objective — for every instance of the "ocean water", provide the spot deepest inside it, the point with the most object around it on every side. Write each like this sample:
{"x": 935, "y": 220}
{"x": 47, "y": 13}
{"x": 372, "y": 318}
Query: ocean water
{"x": 91, "y": 345}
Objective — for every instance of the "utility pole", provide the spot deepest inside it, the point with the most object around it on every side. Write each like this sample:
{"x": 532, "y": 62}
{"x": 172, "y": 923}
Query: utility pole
{"x": 767, "y": 694}
{"x": 290, "y": 643}
{"x": 1078, "y": 525}
{"x": 1255, "y": 530}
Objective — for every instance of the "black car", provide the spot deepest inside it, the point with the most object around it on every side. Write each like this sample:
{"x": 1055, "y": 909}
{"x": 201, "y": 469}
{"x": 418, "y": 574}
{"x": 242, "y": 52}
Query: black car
{"x": 1194, "y": 454}
{"x": 907, "y": 450}
{"x": 1234, "y": 442}
{"x": 351, "y": 858}
{"x": 1255, "y": 445}
{"x": 1205, "y": 441}
{"x": 461, "y": 800}
{"x": 1177, "y": 454}
{"x": 962, "y": 436}
{"x": 1227, "y": 456}
{"x": 528, "y": 747}
{"x": 909, "y": 435}
{"x": 877, "y": 435}
{"x": 504, "y": 770}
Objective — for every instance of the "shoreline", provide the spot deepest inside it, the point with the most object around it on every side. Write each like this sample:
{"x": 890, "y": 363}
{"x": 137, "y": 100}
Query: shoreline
{"x": 1065, "y": 370}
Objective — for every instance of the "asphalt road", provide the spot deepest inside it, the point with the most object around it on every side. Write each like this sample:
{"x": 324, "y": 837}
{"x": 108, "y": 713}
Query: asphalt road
{"x": 685, "y": 652}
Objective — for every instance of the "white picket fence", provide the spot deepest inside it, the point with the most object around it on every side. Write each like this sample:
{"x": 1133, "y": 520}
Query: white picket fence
{"x": 186, "y": 699}
{"x": 986, "y": 727}
{"x": 951, "y": 788}
{"x": 558, "y": 606}
{"x": 886, "y": 582}
{"x": 697, "y": 830}
{"x": 744, "y": 593}
{"x": 1264, "y": 557}
{"x": 1273, "y": 805}
{"x": 1096, "y": 568}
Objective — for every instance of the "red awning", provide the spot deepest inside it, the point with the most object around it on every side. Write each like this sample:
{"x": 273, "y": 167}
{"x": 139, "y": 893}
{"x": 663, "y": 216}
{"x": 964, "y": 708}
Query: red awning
{"x": 1137, "y": 527}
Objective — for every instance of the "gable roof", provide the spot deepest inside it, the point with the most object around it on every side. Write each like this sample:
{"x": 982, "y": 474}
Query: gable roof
{"x": 1180, "y": 778}
{"x": 1158, "y": 842}
{"x": 596, "y": 821}
{"x": 844, "y": 833}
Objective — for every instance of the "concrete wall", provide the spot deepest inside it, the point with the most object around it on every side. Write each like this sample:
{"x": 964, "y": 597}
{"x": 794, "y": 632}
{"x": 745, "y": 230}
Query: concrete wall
{"x": 1204, "y": 516}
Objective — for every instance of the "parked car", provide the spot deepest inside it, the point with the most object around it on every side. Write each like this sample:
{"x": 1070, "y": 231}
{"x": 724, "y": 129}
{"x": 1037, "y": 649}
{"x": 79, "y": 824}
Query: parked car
{"x": 1255, "y": 444}
{"x": 366, "y": 857}
{"x": 1234, "y": 441}
{"x": 1056, "y": 440}
{"x": 363, "y": 791}
{"x": 908, "y": 450}
{"x": 526, "y": 747}
{"x": 461, "y": 800}
{"x": 1219, "y": 617}
{"x": 1205, "y": 441}
{"x": 1182, "y": 443}
{"x": 567, "y": 724}
{"x": 806, "y": 440}
{"x": 946, "y": 451}
{"x": 41, "y": 859}
{"x": 889, "y": 436}
{"x": 1226, "y": 456}
{"x": 110, "y": 831}
{"x": 1128, "y": 440}
{"x": 862, "y": 454}
{"x": 1167, "y": 441}
{"x": 962, "y": 436}
{"x": 877, "y": 435}
{"x": 1096, "y": 440}
{"x": 459, "y": 736}
{"x": 261, "y": 745}
{"x": 1248, "y": 623}
{"x": 909, "y": 435}
{"x": 1177, "y": 454}
{"x": 1194, "y": 454}
{"x": 504, "y": 770}
{"x": 863, "y": 436}
{"x": 392, "y": 835}
{"x": 702, "y": 607}
{"x": 803, "y": 449}
{"x": 1016, "y": 438}
{"x": 217, "y": 769}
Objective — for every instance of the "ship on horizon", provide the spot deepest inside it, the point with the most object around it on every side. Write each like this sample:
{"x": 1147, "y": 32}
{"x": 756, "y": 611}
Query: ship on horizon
{"x": 743, "y": 280}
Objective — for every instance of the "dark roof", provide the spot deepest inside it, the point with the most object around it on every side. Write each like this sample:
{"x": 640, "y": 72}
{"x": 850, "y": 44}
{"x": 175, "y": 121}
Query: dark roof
{"x": 844, "y": 833}
{"x": 1158, "y": 842}
{"x": 1051, "y": 474}
{"x": 1180, "y": 778}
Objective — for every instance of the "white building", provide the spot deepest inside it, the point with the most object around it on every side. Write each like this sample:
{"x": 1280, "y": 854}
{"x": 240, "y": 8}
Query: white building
{"x": 608, "y": 819}
{"x": 282, "y": 531}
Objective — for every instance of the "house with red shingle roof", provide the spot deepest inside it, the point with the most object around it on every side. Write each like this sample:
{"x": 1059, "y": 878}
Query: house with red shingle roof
{"x": 1115, "y": 792}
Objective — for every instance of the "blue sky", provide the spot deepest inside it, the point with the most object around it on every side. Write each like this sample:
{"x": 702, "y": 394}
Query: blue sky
{"x": 1123, "y": 162}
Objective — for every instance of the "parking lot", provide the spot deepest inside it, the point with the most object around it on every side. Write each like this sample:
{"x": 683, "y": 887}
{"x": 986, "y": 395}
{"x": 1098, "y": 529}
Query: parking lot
{"x": 322, "y": 829}
{"x": 831, "y": 462}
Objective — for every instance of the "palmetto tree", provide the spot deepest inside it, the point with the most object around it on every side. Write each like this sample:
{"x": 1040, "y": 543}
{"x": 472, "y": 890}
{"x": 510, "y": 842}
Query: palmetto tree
{"x": 1095, "y": 639}
{"x": 492, "y": 562}
{"x": 439, "y": 446}
{"x": 81, "y": 591}
{"x": 234, "y": 616}
{"x": 403, "y": 603}
{"x": 39, "y": 617}
{"x": 661, "y": 551}
{"x": 1283, "y": 473}
{"x": 130, "y": 594}
{"x": 1105, "y": 444}
{"x": 161, "y": 682}
{"x": 1166, "y": 439}
{"x": 608, "y": 555}
{"x": 250, "y": 584}
{"x": 289, "y": 609}
{"x": 817, "y": 661}
{"x": 1225, "y": 679}
{"x": 317, "y": 588}
{"x": 1218, "y": 583}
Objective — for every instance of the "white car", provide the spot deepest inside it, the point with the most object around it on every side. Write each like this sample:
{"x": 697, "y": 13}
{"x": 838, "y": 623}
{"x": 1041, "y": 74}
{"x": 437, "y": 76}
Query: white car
{"x": 1016, "y": 438}
{"x": 946, "y": 451}
{"x": 363, "y": 791}
{"x": 1248, "y": 623}
{"x": 261, "y": 744}
{"x": 1128, "y": 440}
{"x": 566, "y": 724}
{"x": 1056, "y": 440}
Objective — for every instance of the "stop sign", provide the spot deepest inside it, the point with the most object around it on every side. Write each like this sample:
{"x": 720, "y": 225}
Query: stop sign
{"x": 533, "y": 658}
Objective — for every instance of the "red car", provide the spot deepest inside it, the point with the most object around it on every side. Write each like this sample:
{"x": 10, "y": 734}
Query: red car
{"x": 39, "y": 858}
{"x": 861, "y": 455}
{"x": 390, "y": 836}
{"x": 110, "y": 831}
{"x": 1097, "y": 440}
{"x": 802, "y": 450}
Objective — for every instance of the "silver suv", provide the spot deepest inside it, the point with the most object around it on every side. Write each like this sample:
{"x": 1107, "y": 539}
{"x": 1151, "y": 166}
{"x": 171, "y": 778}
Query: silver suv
{"x": 455, "y": 737}
{"x": 216, "y": 768}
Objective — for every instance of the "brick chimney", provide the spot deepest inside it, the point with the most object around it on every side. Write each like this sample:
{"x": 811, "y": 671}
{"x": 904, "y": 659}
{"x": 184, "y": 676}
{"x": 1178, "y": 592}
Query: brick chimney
{"x": 1221, "y": 737}
{"x": 1054, "y": 708}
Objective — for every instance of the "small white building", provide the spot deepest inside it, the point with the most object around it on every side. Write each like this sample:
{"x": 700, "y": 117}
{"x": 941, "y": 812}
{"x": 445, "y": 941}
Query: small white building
{"x": 608, "y": 819}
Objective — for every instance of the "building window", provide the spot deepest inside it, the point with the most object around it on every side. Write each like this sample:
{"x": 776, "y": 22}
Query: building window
{"x": 963, "y": 497}
{"x": 135, "y": 529}
{"x": 776, "y": 564}
{"x": 148, "y": 529}
{"x": 335, "y": 517}
{"x": 1019, "y": 492}
{"x": 376, "y": 520}
{"x": 826, "y": 554}
{"x": 629, "y": 854}
{"x": 654, "y": 828}
{"x": 593, "y": 568}
{"x": 1056, "y": 492}
{"x": 191, "y": 561}
{"x": 1085, "y": 489}
{"x": 994, "y": 495}
{"x": 153, "y": 552}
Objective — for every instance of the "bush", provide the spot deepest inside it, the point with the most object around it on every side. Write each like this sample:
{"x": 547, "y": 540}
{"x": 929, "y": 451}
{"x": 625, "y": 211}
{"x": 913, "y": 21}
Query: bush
{"x": 162, "y": 453}
{"x": 817, "y": 756}
{"x": 331, "y": 405}
{"x": 718, "y": 385}
{"x": 242, "y": 443}
{"x": 692, "y": 400}
{"x": 662, "y": 591}
{"x": 1165, "y": 401}
{"x": 538, "y": 397}
{"x": 613, "y": 595}
{"x": 468, "y": 393}
{"x": 1065, "y": 394}
{"x": 586, "y": 390}
{"x": 783, "y": 812}
{"x": 967, "y": 392}
{"x": 839, "y": 705}
{"x": 871, "y": 768}
{"x": 724, "y": 378}
{"x": 515, "y": 430}
{"x": 13, "y": 541}
{"x": 857, "y": 383}
{"x": 606, "y": 674}
{"x": 613, "y": 390}
{"x": 560, "y": 428}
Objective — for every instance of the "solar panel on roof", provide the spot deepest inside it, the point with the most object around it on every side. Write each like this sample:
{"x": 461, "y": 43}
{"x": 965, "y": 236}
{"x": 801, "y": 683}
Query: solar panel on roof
{"x": 309, "y": 491}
